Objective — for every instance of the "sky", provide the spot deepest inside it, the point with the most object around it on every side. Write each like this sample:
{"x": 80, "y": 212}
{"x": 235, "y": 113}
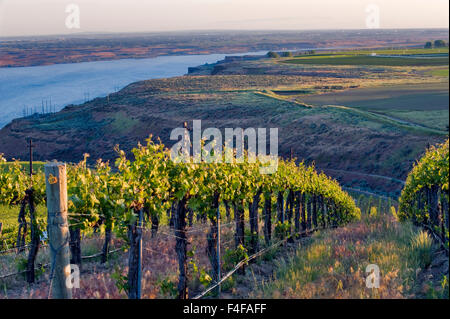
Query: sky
{"x": 41, "y": 17}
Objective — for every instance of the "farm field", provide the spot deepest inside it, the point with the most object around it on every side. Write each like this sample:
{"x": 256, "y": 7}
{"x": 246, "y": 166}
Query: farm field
{"x": 423, "y": 104}
{"x": 439, "y": 72}
{"x": 395, "y": 58}
{"x": 405, "y": 51}
{"x": 369, "y": 60}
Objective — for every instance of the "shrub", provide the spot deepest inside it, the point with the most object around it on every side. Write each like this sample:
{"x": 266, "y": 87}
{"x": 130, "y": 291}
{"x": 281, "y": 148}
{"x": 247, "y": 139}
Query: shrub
{"x": 282, "y": 230}
{"x": 273, "y": 55}
{"x": 234, "y": 256}
{"x": 168, "y": 288}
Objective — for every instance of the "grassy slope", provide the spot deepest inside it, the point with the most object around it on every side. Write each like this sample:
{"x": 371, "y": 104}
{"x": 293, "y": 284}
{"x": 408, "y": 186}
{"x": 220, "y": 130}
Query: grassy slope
{"x": 332, "y": 264}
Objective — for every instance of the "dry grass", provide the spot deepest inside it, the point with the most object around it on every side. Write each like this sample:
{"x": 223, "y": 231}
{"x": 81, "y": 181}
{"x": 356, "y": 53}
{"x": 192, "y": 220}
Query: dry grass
{"x": 99, "y": 281}
{"x": 330, "y": 264}
{"x": 333, "y": 264}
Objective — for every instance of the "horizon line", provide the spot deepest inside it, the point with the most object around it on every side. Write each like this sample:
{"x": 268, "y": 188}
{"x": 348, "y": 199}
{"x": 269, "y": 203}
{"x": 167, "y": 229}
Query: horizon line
{"x": 215, "y": 30}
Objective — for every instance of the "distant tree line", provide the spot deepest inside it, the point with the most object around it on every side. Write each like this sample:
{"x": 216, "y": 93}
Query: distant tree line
{"x": 287, "y": 54}
{"x": 436, "y": 44}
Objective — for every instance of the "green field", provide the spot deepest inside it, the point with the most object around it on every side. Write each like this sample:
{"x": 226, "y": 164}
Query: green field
{"x": 384, "y": 57}
{"x": 9, "y": 214}
{"x": 391, "y": 52}
{"x": 439, "y": 72}
{"x": 369, "y": 60}
{"x": 421, "y": 104}
{"x": 25, "y": 165}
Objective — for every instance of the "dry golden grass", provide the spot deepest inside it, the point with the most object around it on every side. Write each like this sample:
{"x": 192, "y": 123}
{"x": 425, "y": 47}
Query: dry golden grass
{"x": 333, "y": 263}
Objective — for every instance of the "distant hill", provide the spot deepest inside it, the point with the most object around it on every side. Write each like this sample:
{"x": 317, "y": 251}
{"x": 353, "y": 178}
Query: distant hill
{"x": 45, "y": 50}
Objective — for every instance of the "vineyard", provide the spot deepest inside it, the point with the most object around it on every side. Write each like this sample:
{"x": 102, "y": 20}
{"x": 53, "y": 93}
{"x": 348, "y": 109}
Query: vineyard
{"x": 124, "y": 201}
{"x": 216, "y": 217}
{"x": 425, "y": 197}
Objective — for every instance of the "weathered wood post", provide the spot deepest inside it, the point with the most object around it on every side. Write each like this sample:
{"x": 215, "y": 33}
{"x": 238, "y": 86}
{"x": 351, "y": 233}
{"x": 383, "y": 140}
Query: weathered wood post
{"x": 280, "y": 206}
{"x": 213, "y": 237}
{"x": 267, "y": 217}
{"x": 254, "y": 221}
{"x": 58, "y": 229}
{"x": 35, "y": 238}
{"x": 181, "y": 248}
{"x": 1, "y": 230}
{"x": 135, "y": 256}
{"x": 309, "y": 213}
{"x": 303, "y": 211}
{"x": 314, "y": 211}
{"x": 239, "y": 238}
{"x": 298, "y": 208}
{"x": 218, "y": 249}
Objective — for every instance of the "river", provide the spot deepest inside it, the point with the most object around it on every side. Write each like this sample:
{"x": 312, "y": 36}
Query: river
{"x": 26, "y": 90}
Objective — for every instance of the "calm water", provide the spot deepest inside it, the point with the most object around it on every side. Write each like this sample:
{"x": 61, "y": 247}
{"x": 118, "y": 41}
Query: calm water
{"x": 35, "y": 88}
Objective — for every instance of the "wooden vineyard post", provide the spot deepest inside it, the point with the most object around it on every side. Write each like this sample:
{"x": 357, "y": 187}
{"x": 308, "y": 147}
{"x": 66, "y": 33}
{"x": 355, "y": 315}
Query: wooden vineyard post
{"x": 35, "y": 238}
{"x": 239, "y": 237}
{"x": 58, "y": 229}
{"x": 322, "y": 212}
{"x": 181, "y": 248}
{"x": 303, "y": 211}
{"x": 309, "y": 216}
{"x": 267, "y": 217}
{"x": 298, "y": 208}
{"x": 212, "y": 238}
{"x": 328, "y": 212}
{"x": 254, "y": 221}
{"x": 218, "y": 248}
{"x": 445, "y": 217}
{"x": 139, "y": 283}
{"x": 135, "y": 256}
{"x": 290, "y": 212}
{"x": 280, "y": 204}
{"x": 22, "y": 232}
{"x": 314, "y": 211}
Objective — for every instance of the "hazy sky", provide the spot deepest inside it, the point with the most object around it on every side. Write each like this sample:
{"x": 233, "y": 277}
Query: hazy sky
{"x": 32, "y": 17}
